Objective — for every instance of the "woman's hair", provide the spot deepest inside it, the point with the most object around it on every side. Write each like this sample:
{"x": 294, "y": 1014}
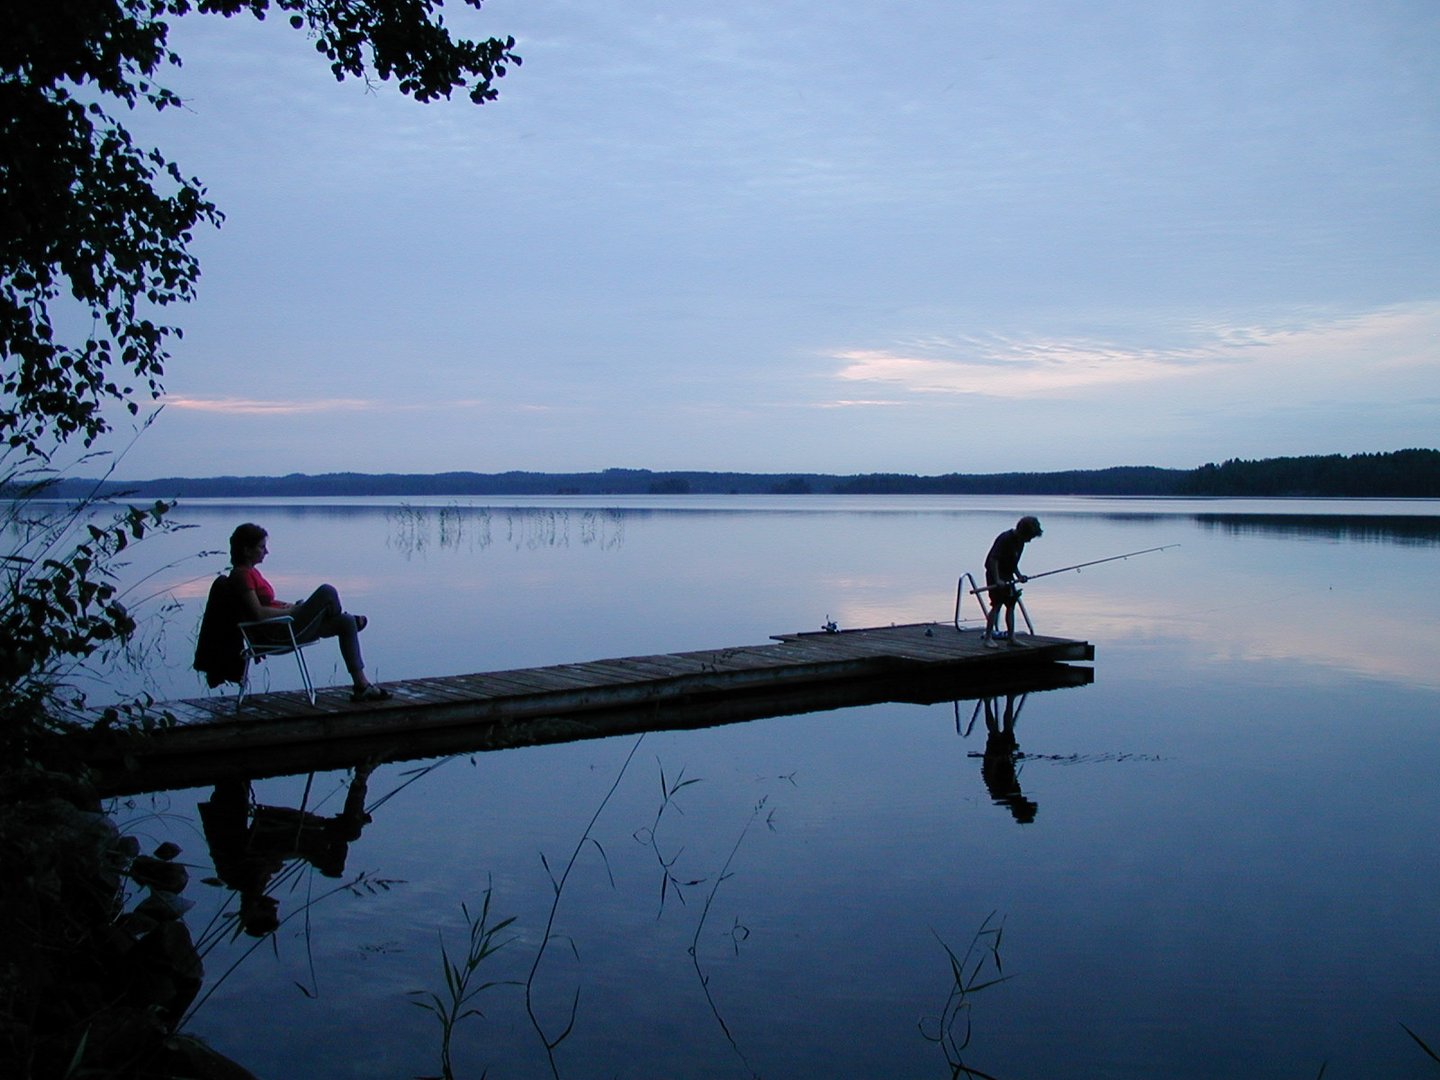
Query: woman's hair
{"x": 243, "y": 539}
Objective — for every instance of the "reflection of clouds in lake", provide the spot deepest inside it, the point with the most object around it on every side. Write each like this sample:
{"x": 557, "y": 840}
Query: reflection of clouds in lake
{"x": 414, "y": 530}
{"x": 1318, "y": 627}
{"x": 881, "y": 601}
{"x": 1392, "y": 652}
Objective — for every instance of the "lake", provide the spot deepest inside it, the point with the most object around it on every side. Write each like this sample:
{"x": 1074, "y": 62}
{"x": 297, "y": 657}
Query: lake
{"x": 1217, "y": 859}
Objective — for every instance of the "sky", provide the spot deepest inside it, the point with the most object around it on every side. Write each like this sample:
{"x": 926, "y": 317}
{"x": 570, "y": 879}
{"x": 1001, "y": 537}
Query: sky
{"x": 776, "y": 236}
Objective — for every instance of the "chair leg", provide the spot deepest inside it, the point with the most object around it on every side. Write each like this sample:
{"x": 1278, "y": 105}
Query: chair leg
{"x": 305, "y": 675}
{"x": 244, "y": 682}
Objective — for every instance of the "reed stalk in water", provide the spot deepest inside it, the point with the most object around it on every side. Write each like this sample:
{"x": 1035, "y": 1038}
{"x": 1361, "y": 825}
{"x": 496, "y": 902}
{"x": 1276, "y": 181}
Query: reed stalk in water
{"x": 979, "y": 969}
{"x": 460, "y": 990}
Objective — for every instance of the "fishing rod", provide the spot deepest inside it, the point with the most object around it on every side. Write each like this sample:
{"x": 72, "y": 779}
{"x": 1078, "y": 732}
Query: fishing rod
{"x": 1077, "y": 566}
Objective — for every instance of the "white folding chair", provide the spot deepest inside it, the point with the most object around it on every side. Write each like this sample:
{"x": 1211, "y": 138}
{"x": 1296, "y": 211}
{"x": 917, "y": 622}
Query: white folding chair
{"x": 263, "y": 638}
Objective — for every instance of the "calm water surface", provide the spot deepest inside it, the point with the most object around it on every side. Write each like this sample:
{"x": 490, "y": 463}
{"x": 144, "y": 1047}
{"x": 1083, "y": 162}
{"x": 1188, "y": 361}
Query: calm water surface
{"x": 1230, "y": 867}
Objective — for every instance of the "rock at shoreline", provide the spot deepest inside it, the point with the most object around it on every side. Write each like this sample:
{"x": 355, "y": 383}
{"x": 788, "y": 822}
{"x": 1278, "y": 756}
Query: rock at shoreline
{"x": 77, "y": 972}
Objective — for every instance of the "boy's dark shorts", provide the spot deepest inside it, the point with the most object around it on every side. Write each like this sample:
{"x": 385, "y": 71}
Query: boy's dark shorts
{"x": 1001, "y": 595}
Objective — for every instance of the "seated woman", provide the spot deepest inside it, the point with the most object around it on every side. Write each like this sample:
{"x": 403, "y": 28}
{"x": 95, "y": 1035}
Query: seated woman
{"x": 319, "y": 616}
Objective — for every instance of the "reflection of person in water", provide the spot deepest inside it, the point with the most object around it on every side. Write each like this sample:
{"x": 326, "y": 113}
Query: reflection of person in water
{"x": 249, "y": 845}
{"x": 997, "y": 768}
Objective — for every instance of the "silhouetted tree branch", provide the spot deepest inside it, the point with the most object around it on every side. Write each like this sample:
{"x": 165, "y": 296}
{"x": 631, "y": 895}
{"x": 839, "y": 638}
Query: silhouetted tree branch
{"x": 95, "y": 231}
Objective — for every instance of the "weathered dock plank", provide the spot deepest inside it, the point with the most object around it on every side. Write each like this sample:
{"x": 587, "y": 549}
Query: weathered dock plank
{"x": 441, "y": 690}
{"x": 672, "y": 665}
{"x": 494, "y": 684}
{"x": 616, "y": 673}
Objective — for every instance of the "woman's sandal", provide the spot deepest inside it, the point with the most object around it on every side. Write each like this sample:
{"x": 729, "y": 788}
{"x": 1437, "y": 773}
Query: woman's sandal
{"x": 371, "y": 693}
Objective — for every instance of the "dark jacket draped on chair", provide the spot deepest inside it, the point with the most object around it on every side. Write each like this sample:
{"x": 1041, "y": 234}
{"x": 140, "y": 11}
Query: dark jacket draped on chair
{"x": 219, "y": 652}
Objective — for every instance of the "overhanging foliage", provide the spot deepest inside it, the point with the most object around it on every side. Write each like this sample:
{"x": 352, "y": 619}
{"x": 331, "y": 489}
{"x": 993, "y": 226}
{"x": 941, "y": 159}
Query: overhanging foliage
{"x": 95, "y": 231}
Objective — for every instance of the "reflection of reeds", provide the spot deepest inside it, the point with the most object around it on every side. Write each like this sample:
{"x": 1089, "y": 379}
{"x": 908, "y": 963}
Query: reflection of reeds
{"x": 1421, "y": 1043}
{"x": 646, "y": 835}
{"x": 967, "y": 980}
{"x": 738, "y": 932}
{"x": 413, "y": 532}
{"x": 452, "y": 526}
{"x": 362, "y": 884}
{"x": 409, "y": 528}
{"x": 458, "y": 975}
{"x": 557, "y": 885}
{"x": 534, "y": 529}
{"x": 603, "y": 527}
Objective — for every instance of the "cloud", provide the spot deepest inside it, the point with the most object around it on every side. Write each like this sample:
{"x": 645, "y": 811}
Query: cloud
{"x": 1332, "y": 347}
{"x": 1015, "y": 370}
{"x": 252, "y": 407}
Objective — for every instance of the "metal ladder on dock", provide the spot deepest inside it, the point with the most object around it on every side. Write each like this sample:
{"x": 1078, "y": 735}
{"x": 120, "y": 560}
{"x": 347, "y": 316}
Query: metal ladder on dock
{"x": 981, "y": 594}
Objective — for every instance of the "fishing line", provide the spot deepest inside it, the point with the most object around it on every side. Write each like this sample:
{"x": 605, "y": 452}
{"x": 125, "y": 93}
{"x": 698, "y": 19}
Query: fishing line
{"x": 1076, "y": 566}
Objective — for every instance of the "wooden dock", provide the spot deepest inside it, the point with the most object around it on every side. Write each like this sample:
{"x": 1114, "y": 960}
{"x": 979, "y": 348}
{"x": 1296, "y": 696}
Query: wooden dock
{"x": 282, "y": 732}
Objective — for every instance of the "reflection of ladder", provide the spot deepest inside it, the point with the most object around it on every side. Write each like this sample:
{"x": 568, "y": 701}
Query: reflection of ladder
{"x": 982, "y": 597}
{"x": 964, "y": 732}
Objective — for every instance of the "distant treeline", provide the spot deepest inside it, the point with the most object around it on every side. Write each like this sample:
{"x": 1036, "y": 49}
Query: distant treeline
{"x": 1401, "y": 474}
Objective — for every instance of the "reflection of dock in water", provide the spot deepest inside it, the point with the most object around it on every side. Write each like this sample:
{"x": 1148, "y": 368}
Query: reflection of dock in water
{"x": 277, "y": 733}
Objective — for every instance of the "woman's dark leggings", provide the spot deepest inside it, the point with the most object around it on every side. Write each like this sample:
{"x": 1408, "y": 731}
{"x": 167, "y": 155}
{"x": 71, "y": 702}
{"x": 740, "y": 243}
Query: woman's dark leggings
{"x": 320, "y": 616}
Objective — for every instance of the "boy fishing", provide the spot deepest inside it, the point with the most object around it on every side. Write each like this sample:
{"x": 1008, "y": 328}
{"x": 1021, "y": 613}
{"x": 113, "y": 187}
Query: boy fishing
{"x": 1002, "y": 570}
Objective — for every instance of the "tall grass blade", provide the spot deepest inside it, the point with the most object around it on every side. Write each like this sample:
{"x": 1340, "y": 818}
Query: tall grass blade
{"x": 1421, "y": 1043}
